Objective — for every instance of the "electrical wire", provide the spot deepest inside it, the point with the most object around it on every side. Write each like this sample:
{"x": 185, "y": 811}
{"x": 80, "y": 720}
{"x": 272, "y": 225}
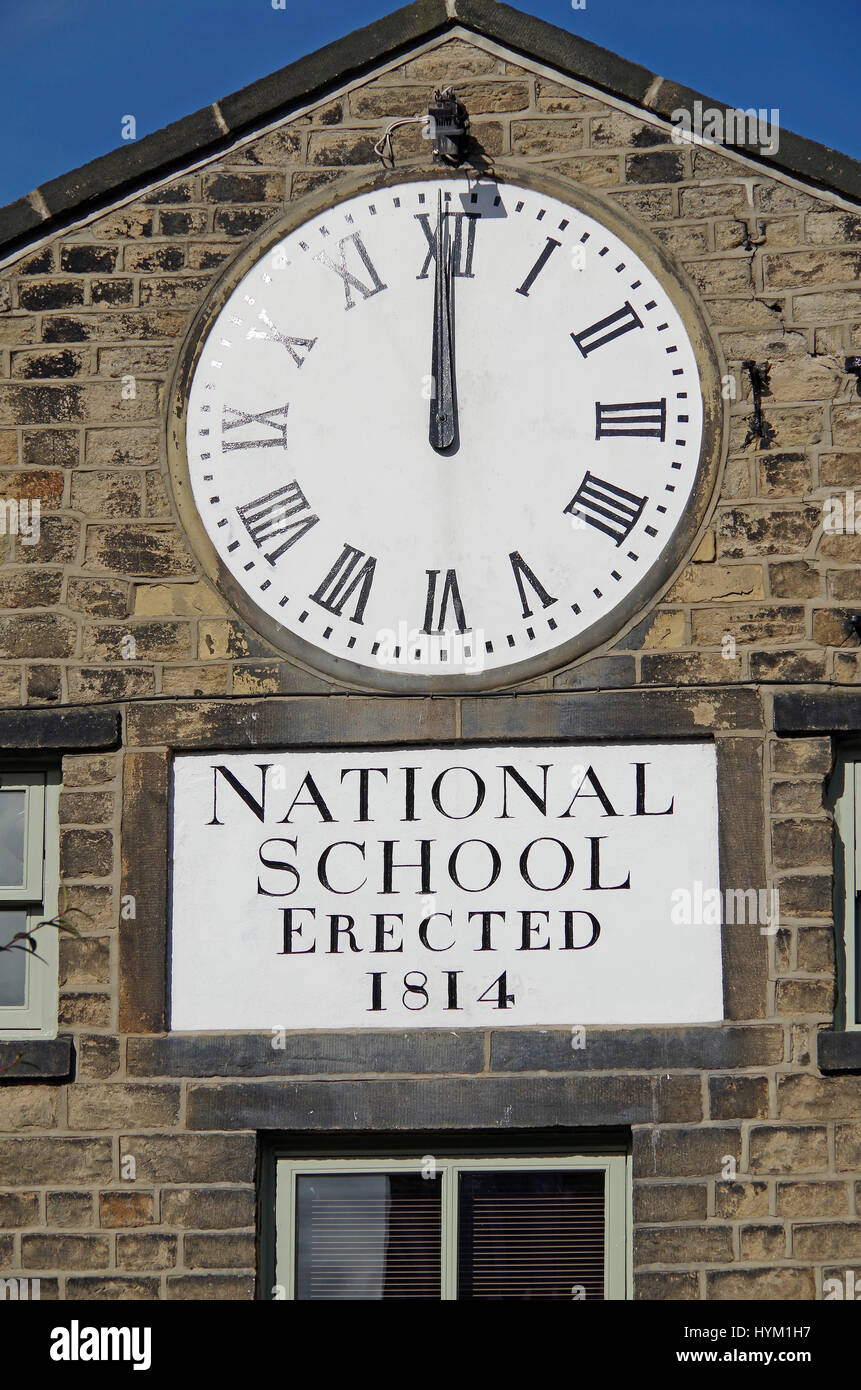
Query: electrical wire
{"x": 383, "y": 148}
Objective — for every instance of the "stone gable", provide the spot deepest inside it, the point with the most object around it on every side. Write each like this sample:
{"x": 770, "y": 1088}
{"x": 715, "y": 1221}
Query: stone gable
{"x": 93, "y": 319}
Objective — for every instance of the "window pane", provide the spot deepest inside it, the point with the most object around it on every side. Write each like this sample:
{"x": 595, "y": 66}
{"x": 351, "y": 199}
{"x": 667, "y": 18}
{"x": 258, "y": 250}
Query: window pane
{"x": 367, "y": 1236}
{"x": 531, "y": 1235}
{"x": 13, "y": 820}
{"x": 13, "y": 964}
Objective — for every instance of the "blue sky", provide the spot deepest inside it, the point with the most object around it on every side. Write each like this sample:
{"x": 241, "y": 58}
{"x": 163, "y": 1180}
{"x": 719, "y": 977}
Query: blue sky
{"x": 72, "y": 69}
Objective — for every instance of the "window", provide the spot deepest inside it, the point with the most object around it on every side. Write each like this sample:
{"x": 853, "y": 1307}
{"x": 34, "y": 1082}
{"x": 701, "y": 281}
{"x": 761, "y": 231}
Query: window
{"x": 452, "y": 1228}
{"x": 28, "y": 895}
{"x": 847, "y": 876}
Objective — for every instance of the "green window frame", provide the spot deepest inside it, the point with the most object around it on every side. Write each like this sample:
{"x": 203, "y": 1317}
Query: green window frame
{"x": 29, "y": 890}
{"x": 846, "y": 792}
{"x": 617, "y": 1219}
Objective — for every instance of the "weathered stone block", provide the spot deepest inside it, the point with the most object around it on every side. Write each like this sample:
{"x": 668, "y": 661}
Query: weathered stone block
{"x": 187, "y": 600}
{"x": 788, "y": 1148}
{"x": 113, "y": 1106}
{"x": 37, "y": 635}
{"x": 205, "y": 1208}
{"x": 457, "y": 59}
{"x": 84, "y": 258}
{"x": 232, "y": 187}
{"x": 36, "y": 365}
{"x": 121, "y": 448}
{"x": 86, "y": 853}
{"x": 140, "y": 551}
{"x": 658, "y": 166}
{"x": 702, "y": 582}
{"x": 90, "y": 906}
{"x": 821, "y": 1098}
{"x": 832, "y": 627}
{"x": 231, "y": 1250}
{"x": 763, "y": 1242}
{"x": 39, "y": 294}
{"x": 89, "y": 769}
{"x": 100, "y": 598}
{"x": 827, "y": 1241}
{"x": 19, "y": 1209}
{"x": 85, "y": 1011}
{"x": 761, "y": 1285}
{"x": 761, "y": 625}
{"x": 789, "y": 269}
{"x": 278, "y": 147}
{"x": 107, "y": 1289}
{"x": 107, "y": 494}
{"x": 723, "y": 275}
{"x": 211, "y": 1287}
{"x": 382, "y": 99}
{"x": 127, "y": 1209}
{"x": 783, "y": 475}
{"x": 98, "y": 1057}
{"x": 794, "y": 579}
{"x": 30, "y": 588}
{"x": 195, "y": 681}
{"x": 754, "y": 530}
{"x": 676, "y": 1152}
{"x": 152, "y": 641}
{"x": 738, "y": 1097}
{"x": 84, "y": 963}
{"x": 592, "y": 170}
{"x": 741, "y": 1199}
{"x": 186, "y": 291}
{"x": 663, "y": 1286}
{"x": 800, "y": 798}
{"x": 534, "y": 138}
{"x": 812, "y": 1199}
{"x": 64, "y": 1252}
{"x": 804, "y": 997}
{"x": 792, "y": 667}
{"x": 682, "y": 1244}
{"x": 184, "y": 1158}
{"x": 28, "y": 1107}
{"x": 184, "y": 224}
{"x": 810, "y": 756}
{"x": 669, "y": 1201}
{"x": 154, "y": 256}
{"x": 69, "y": 1209}
{"x": 116, "y": 290}
{"x": 140, "y": 1251}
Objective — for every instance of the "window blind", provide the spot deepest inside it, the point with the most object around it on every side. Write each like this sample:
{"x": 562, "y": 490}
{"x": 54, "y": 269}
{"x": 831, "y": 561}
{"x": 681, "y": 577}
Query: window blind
{"x": 368, "y": 1236}
{"x": 537, "y": 1234}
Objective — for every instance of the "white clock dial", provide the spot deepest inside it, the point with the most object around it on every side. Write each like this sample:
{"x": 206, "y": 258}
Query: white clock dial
{"x": 434, "y": 446}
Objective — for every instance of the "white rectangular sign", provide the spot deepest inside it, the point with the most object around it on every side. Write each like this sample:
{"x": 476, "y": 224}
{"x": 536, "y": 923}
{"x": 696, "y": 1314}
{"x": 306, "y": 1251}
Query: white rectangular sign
{"x": 445, "y": 888}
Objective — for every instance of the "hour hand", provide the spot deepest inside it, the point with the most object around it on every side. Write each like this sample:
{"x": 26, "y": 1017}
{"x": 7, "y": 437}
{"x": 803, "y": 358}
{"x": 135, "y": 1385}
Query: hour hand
{"x": 442, "y": 425}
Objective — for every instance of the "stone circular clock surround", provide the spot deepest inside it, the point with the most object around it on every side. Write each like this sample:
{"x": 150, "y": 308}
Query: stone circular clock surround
{"x": 588, "y": 430}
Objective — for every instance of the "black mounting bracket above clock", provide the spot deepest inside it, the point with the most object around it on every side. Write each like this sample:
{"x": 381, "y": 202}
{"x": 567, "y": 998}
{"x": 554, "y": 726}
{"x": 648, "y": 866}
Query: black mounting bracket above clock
{"x": 449, "y": 127}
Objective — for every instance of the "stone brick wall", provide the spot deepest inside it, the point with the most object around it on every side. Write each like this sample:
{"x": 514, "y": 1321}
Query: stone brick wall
{"x": 777, "y": 271}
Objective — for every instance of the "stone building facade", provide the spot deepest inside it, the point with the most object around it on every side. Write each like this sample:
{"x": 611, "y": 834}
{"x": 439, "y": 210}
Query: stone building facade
{"x": 102, "y": 275}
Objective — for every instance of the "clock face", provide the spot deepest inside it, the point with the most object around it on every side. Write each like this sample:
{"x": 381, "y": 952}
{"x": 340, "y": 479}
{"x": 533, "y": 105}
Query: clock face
{"x": 445, "y": 429}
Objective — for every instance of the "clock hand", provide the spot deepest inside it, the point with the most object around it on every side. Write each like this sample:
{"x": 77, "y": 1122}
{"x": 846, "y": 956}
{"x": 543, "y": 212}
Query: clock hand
{"x": 442, "y": 424}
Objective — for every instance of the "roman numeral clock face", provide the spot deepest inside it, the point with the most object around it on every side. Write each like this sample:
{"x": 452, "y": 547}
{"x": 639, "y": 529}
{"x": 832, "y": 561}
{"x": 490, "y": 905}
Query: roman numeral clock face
{"x": 445, "y": 432}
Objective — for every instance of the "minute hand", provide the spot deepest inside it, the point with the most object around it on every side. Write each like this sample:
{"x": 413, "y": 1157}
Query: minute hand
{"x": 442, "y": 414}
